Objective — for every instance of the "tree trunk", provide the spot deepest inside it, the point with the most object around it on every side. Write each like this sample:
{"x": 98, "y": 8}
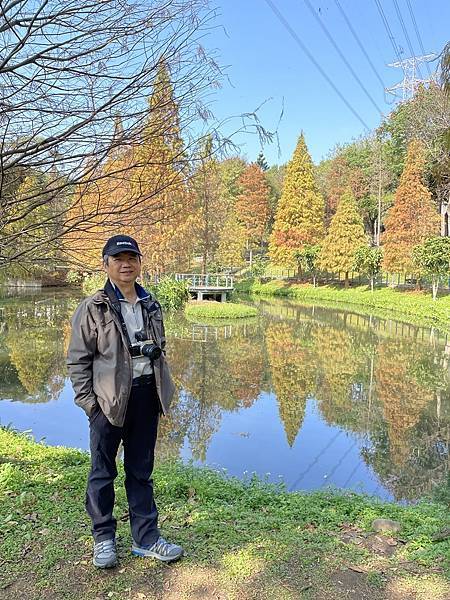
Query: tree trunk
{"x": 435, "y": 285}
{"x": 371, "y": 283}
{"x": 347, "y": 282}
{"x": 314, "y": 280}
{"x": 204, "y": 263}
{"x": 251, "y": 257}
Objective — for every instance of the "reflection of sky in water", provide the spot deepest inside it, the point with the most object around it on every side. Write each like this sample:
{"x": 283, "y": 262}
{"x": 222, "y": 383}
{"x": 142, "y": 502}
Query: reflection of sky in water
{"x": 249, "y": 440}
{"x": 254, "y": 440}
{"x": 60, "y": 421}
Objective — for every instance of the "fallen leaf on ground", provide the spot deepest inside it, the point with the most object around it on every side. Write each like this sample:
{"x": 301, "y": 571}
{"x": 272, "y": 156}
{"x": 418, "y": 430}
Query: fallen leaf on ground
{"x": 356, "y": 569}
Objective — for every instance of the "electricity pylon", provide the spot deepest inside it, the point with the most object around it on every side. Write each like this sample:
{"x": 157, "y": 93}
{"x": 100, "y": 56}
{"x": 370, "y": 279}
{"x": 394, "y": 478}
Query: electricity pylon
{"x": 406, "y": 88}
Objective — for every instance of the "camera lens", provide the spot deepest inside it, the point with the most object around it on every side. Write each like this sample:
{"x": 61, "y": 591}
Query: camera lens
{"x": 152, "y": 351}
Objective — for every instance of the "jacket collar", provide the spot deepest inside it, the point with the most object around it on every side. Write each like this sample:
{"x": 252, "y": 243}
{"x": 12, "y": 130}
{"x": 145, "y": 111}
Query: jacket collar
{"x": 142, "y": 293}
{"x": 101, "y": 297}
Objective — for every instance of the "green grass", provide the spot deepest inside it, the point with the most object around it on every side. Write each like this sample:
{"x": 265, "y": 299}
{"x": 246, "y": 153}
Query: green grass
{"x": 412, "y": 306}
{"x": 242, "y": 539}
{"x": 219, "y": 310}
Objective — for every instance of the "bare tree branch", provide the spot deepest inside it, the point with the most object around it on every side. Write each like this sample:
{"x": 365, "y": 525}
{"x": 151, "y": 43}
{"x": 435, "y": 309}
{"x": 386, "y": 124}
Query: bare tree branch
{"x": 66, "y": 70}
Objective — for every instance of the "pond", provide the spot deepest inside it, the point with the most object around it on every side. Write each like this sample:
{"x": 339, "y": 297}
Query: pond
{"x": 312, "y": 397}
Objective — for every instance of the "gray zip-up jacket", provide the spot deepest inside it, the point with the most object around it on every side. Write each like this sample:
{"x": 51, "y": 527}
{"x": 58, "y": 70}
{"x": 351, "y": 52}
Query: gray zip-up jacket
{"x": 99, "y": 361}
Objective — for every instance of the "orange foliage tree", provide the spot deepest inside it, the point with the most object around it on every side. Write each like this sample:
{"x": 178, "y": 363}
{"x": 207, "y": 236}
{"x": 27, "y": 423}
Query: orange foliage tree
{"x": 211, "y": 210}
{"x": 413, "y": 217}
{"x": 142, "y": 190}
{"x": 165, "y": 212}
{"x": 101, "y": 208}
{"x": 231, "y": 243}
{"x": 253, "y": 205}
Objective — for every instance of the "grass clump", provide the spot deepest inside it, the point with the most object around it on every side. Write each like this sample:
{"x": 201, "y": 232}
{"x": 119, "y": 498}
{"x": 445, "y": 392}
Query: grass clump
{"x": 219, "y": 310}
{"x": 243, "y": 539}
{"x": 411, "y": 306}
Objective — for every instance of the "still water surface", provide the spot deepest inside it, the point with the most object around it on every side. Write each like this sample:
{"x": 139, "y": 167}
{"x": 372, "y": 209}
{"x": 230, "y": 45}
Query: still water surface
{"x": 309, "y": 396}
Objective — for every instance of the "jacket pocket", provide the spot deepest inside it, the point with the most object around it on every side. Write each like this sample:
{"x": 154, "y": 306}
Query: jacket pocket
{"x": 108, "y": 336}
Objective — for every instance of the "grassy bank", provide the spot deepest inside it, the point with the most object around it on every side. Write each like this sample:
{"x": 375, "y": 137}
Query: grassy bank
{"x": 219, "y": 310}
{"x": 243, "y": 540}
{"x": 412, "y": 306}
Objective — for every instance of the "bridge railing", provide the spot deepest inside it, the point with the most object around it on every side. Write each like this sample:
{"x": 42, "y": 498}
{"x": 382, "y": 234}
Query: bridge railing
{"x": 208, "y": 280}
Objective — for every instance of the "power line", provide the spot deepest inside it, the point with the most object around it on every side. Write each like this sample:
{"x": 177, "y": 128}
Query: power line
{"x": 339, "y": 462}
{"x": 341, "y": 54}
{"x": 388, "y": 29}
{"x": 358, "y": 41}
{"x": 350, "y": 477}
{"x": 405, "y": 33}
{"x": 413, "y": 19}
{"x": 311, "y": 464}
{"x": 313, "y": 60}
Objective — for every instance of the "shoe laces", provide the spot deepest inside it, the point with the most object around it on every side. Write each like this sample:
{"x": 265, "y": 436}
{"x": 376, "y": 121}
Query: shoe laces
{"x": 104, "y": 546}
{"x": 162, "y": 546}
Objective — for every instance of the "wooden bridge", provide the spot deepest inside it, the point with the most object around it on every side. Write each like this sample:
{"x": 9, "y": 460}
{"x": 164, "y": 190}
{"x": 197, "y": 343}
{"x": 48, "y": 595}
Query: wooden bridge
{"x": 208, "y": 286}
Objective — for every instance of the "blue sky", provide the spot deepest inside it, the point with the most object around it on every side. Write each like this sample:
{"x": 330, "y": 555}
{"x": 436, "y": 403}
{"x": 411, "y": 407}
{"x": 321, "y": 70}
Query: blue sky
{"x": 265, "y": 64}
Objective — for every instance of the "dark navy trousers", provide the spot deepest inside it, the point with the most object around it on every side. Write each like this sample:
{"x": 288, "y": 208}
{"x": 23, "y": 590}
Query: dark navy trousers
{"x": 138, "y": 434}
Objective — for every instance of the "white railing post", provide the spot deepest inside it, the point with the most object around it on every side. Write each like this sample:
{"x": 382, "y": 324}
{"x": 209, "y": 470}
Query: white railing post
{"x": 196, "y": 280}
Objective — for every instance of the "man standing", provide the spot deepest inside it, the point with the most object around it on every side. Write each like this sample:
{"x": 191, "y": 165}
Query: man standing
{"x": 121, "y": 379}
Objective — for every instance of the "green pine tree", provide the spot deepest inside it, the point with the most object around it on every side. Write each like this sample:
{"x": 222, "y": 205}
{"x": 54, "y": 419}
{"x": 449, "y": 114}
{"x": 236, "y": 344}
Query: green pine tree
{"x": 262, "y": 162}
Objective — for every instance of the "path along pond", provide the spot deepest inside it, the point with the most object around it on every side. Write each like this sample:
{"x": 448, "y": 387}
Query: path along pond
{"x": 312, "y": 397}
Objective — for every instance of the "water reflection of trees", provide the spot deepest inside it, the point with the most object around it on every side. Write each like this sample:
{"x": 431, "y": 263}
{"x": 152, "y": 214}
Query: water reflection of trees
{"x": 394, "y": 392}
{"x": 411, "y": 447}
{"x": 214, "y": 374}
{"x": 341, "y": 362}
{"x": 290, "y": 358}
{"x": 32, "y": 348}
{"x": 386, "y": 382}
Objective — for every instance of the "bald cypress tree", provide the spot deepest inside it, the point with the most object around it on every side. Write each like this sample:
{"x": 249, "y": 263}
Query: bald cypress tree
{"x": 413, "y": 217}
{"x": 252, "y": 206}
{"x": 299, "y": 218}
{"x": 345, "y": 235}
{"x": 164, "y": 217}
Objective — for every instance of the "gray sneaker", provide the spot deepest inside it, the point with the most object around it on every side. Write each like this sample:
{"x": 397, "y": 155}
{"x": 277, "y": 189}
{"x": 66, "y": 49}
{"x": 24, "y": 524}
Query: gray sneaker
{"x": 105, "y": 555}
{"x": 161, "y": 550}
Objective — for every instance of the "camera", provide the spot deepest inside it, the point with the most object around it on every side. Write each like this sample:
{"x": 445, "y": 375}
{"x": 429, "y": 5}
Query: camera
{"x": 145, "y": 347}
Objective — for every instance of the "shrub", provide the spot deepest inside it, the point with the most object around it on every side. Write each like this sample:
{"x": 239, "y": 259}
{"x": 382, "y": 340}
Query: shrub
{"x": 74, "y": 277}
{"x": 93, "y": 282}
{"x": 172, "y": 294}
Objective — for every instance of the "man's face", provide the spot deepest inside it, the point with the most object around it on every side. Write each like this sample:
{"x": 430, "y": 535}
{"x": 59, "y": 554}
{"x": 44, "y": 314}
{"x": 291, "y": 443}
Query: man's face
{"x": 124, "y": 267}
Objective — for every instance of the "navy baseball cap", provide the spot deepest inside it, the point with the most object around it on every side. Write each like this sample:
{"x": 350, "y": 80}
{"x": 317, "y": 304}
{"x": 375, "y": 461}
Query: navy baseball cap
{"x": 121, "y": 243}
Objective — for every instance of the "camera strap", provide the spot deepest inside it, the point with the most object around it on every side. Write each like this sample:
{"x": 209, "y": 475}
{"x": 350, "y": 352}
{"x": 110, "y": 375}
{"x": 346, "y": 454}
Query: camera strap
{"x": 115, "y": 302}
